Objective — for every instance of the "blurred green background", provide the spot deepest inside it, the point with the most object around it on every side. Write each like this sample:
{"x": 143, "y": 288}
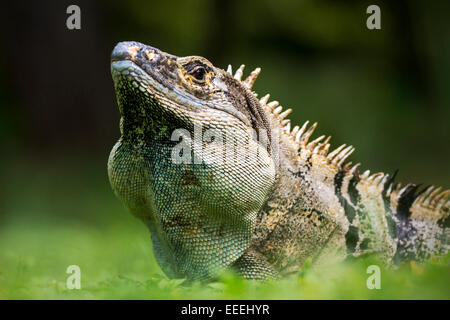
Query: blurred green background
{"x": 385, "y": 91}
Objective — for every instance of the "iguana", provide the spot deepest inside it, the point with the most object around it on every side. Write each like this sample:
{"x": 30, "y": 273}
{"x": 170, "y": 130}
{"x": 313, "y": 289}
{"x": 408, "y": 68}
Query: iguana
{"x": 223, "y": 182}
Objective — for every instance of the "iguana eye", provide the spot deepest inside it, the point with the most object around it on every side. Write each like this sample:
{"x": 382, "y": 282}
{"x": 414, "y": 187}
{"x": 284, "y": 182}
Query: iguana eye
{"x": 198, "y": 73}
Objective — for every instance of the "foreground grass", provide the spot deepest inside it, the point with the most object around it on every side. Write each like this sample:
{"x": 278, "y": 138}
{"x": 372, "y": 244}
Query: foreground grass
{"x": 116, "y": 263}
{"x": 55, "y": 220}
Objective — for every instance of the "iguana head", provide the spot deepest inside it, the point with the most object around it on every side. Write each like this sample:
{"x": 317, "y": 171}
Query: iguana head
{"x": 201, "y": 134}
{"x": 151, "y": 85}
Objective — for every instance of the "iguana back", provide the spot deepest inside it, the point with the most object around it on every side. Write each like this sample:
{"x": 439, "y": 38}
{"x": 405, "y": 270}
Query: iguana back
{"x": 223, "y": 181}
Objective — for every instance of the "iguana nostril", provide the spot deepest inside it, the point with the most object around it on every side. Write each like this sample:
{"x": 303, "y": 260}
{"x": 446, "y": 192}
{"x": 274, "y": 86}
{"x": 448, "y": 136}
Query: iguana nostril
{"x": 126, "y": 51}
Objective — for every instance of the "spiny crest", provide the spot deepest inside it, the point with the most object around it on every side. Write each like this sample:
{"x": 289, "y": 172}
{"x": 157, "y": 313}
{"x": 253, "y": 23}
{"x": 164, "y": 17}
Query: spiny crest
{"x": 377, "y": 179}
{"x": 429, "y": 199}
{"x": 428, "y": 203}
{"x": 408, "y": 201}
{"x": 250, "y": 80}
{"x": 434, "y": 196}
{"x": 299, "y": 137}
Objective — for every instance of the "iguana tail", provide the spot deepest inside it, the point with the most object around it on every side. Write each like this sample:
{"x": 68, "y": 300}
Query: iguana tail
{"x": 413, "y": 224}
{"x": 422, "y": 221}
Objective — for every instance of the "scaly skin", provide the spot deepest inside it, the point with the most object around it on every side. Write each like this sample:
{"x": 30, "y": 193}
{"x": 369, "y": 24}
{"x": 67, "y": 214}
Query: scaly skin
{"x": 222, "y": 181}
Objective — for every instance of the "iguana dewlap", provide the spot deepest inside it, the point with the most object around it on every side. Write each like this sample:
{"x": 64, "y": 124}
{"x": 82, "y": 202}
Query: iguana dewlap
{"x": 223, "y": 181}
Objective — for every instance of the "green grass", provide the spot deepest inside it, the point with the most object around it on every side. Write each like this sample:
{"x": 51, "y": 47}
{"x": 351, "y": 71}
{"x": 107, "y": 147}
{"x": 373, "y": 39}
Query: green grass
{"x": 56, "y": 218}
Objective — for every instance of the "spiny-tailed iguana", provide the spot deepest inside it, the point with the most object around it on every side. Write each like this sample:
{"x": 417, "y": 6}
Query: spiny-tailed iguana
{"x": 222, "y": 181}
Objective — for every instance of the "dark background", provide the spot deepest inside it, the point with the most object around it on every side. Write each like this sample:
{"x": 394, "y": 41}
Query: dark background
{"x": 384, "y": 91}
